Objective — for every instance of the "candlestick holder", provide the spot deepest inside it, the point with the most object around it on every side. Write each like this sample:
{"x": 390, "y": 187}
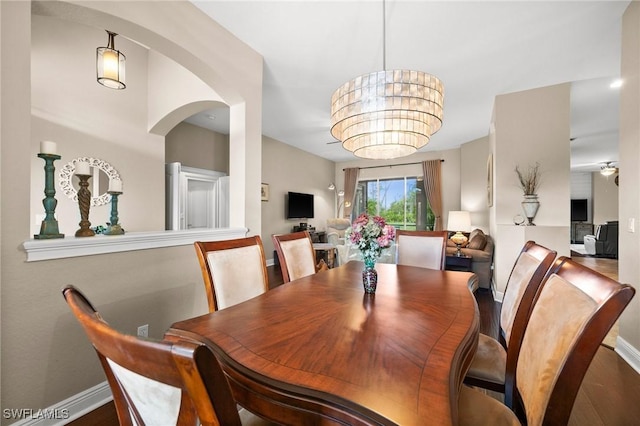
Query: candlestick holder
{"x": 49, "y": 226}
{"x": 114, "y": 227}
{"x": 84, "y": 201}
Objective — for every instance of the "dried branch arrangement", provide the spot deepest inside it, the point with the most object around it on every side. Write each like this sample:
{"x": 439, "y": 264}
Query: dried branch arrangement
{"x": 529, "y": 179}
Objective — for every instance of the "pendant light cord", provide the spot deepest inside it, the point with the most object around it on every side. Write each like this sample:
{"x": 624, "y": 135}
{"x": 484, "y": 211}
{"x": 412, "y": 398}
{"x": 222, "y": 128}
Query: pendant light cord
{"x": 384, "y": 36}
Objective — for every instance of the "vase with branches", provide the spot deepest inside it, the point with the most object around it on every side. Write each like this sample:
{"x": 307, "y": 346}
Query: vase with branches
{"x": 529, "y": 180}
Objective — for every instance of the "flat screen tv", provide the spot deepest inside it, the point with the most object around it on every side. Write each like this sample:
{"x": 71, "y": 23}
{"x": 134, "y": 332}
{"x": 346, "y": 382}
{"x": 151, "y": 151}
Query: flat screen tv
{"x": 579, "y": 210}
{"x": 299, "y": 206}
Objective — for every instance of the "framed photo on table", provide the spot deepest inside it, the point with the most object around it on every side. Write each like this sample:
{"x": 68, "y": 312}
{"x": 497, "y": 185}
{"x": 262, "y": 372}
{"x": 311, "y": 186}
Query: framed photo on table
{"x": 264, "y": 192}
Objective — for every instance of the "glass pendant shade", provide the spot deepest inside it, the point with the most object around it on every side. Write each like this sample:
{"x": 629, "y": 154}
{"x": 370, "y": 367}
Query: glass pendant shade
{"x": 110, "y": 65}
{"x": 608, "y": 170}
{"x": 387, "y": 114}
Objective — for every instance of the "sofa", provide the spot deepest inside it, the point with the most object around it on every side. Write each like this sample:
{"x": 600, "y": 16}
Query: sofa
{"x": 480, "y": 248}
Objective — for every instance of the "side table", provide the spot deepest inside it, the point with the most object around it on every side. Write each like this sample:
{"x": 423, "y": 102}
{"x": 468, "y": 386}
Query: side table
{"x": 458, "y": 263}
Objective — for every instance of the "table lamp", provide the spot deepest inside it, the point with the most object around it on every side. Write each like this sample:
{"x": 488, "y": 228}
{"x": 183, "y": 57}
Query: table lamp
{"x": 459, "y": 221}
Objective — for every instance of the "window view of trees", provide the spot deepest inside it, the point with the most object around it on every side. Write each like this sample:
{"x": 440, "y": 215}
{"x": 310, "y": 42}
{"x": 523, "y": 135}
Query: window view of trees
{"x": 400, "y": 201}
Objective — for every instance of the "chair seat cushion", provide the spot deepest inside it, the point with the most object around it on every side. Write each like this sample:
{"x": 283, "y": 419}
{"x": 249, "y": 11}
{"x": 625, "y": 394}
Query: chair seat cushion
{"x": 490, "y": 361}
{"x": 477, "y": 408}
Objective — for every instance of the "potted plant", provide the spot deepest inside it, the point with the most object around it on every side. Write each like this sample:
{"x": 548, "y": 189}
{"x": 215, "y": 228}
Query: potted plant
{"x": 529, "y": 183}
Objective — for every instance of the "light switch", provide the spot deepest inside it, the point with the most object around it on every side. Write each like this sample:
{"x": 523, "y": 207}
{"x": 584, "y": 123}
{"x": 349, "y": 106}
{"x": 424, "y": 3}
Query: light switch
{"x": 631, "y": 224}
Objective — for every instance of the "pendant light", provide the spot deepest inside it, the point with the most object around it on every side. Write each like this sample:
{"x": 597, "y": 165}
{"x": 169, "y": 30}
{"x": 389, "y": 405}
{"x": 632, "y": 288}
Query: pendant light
{"x": 387, "y": 114}
{"x": 110, "y": 65}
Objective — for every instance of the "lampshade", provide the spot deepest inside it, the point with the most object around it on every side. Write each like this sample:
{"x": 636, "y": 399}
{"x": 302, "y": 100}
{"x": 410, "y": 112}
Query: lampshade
{"x": 459, "y": 221}
{"x": 110, "y": 63}
{"x": 387, "y": 114}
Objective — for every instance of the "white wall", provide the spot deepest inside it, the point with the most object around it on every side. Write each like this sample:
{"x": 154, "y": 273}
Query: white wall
{"x": 629, "y": 203}
{"x": 529, "y": 127}
{"x": 473, "y": 182}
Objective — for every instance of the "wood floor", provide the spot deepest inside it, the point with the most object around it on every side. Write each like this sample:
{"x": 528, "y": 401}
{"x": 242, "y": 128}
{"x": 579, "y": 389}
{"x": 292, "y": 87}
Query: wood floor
{"x": 608, "y": 396}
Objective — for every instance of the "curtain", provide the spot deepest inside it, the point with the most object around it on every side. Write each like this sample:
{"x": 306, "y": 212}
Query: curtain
{"x": 433, "y": 189}
{"x": 350, "y": 182}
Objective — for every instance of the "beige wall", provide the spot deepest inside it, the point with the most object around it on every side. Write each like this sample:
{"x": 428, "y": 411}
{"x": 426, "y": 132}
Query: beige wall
{"x": 529, "y": 127}
{"x": 193, "y": 146}
{"x": 44, "y": 357}
{"x": 605, "y": 198}
{"x": 629, "y": 203}
{"x": 285, "y": 169}
{"x": 473, "y": 181}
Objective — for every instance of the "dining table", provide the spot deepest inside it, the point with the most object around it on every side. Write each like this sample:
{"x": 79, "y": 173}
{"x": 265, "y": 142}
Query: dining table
{"x": 319, "y": 350}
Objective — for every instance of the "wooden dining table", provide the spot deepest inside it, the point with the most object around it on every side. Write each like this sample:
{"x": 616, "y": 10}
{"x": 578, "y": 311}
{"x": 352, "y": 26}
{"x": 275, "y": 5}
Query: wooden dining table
{"x": 318, "y": 350}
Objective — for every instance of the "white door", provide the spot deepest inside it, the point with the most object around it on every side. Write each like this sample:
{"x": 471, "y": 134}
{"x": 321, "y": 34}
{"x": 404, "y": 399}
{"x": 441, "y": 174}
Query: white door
{"x": 200, "y": 204}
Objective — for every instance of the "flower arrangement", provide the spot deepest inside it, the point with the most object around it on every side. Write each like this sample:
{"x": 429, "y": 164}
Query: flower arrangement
{"x": 529, "y": 180}
{"x": 371, "y": 234}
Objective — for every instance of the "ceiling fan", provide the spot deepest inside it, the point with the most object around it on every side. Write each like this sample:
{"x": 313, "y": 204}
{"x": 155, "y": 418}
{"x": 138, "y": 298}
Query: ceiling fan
{"x": 607, "y": 169}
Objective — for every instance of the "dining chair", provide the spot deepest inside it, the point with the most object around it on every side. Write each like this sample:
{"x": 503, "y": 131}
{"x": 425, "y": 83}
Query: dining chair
{"x": 573, "y": 310}
{"x": 159, "y": 382}
{"x": 488, "y": 368}
{"x": 233, "y": 270}
{"x": 295, "y": 254}
{"x": 425, "y": 249}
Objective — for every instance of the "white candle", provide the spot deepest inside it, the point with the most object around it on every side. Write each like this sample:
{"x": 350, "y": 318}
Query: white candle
{"x": 115, "y": 185}
{"x": 48, "y": 147}
{"x": 83, "y": 168}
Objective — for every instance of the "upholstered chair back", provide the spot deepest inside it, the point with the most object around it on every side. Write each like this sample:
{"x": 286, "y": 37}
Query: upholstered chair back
{"x": 572, "y": 313}
{"x": 157, "y": 382}
{"x": 493, "y": 366}
{"x": 232, "y": 270}
{"x": 425, "y": 249}
{"x": 528, "y": 272}
{"x": 296, "y": 255}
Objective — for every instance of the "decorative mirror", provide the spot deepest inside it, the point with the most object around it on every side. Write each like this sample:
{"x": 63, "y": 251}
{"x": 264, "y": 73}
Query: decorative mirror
{"x": 102, "y": 173}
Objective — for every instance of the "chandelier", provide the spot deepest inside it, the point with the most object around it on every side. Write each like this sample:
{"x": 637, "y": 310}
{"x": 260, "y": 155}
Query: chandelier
{"x": 387, "y": 114}
{"x": 608, "y": 169}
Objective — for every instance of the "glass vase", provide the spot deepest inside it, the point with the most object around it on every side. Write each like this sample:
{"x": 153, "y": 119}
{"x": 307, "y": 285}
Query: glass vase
{"x": 369, "y": 276}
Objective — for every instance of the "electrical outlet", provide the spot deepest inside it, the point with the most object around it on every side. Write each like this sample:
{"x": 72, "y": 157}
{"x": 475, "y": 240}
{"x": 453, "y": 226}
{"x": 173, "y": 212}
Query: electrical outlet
{"x": 143, "y": 330}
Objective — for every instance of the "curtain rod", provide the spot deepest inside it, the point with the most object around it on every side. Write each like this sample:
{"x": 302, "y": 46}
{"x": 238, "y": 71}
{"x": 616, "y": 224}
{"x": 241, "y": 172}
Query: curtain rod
{"x": 390, "y": 165}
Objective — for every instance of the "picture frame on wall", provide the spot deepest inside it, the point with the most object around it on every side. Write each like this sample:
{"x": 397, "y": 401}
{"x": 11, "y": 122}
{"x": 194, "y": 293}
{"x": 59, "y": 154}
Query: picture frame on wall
{"x": 490, "y": 181}
{"x": 264, "y": 192}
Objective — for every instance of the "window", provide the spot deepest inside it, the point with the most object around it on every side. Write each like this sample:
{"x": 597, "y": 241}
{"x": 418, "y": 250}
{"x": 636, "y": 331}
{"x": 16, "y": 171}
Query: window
{"x": 401, "y": 201}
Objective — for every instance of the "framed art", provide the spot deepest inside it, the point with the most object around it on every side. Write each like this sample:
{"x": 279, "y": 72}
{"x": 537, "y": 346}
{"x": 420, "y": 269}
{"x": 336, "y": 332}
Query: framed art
{"x": 264, "y": 192}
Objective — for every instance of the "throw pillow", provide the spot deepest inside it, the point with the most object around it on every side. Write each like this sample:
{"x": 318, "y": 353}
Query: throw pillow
{"x": 477, "y": 240}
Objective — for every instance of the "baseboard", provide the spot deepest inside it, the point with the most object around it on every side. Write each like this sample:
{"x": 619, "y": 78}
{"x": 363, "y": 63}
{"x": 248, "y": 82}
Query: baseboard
{"x": 270, "y": 262}
{"x": 627, "y": 352}
{"x": 71, "y": 408}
